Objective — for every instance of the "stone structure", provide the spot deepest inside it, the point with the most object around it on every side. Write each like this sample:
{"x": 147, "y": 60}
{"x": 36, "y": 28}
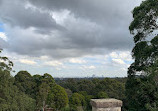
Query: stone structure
{"x": 106, "y": 105}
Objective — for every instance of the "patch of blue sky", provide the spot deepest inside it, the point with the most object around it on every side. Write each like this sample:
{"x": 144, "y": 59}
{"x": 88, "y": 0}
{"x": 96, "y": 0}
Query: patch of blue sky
{"x": 128, "y": 62}
{"x": 1, "y": 27}
{"x": 90, "y": 59}
{"x": 96, "y": 61}
{"x": 72, "y": 64}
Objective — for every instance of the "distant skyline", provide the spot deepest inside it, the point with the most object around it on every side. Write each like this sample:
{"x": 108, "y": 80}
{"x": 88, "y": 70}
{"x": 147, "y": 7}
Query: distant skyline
{"x": 68, "y": 38}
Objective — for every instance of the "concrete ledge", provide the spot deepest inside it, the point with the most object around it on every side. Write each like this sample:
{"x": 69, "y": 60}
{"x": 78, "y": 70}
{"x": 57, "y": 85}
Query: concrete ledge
{"x": 106, "y": 103}
{"x": 106, "y": 109}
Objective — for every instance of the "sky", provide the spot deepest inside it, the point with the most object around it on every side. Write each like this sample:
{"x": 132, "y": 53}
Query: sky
{"x": 68, "y": 38}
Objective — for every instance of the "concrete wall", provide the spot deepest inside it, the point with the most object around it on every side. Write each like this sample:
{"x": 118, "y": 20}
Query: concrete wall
{"x": 106, "y": 109}
{"x": 106, "y": 105}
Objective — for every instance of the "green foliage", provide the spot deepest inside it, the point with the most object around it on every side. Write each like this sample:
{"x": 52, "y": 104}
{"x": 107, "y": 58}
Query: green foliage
{"x": 89, "y": 88}
{"x": 145, "y": 17}
{"x": 11, "y": 99}
{"x": 57, "y": 97}
{"x": 48, "y": 79}
{"x": 113, "y": 88}
{"x": 143, "y": 94}
{"x": 77, "y": 100}
{"x": 67, "y": 108}
{"x": 42, "y": 94}
{"x": 69, "y": 92}
{"x": 24, "y": 81}
{"x": 37, "y": 86}
{"x": 87, "y": 97}
{"x": 102, "y": 95}
{"x": 5, "y": 63}
{"x": 86, "y": 85}
{"x": 43, "y": 87}
{"x": 143, "y": 26}
{"x": 141, "y": 86}
{"x": 71, "y": 84}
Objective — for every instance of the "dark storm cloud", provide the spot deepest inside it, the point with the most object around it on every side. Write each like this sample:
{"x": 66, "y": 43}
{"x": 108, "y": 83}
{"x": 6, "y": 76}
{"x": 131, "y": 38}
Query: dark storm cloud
{"x": 16, "y": 13}
{"x": 92, "y": 9}
{"x": 90, "y": 27}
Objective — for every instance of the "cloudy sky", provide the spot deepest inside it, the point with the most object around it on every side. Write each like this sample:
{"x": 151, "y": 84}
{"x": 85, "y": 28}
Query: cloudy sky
{"x": 68, "y": 38}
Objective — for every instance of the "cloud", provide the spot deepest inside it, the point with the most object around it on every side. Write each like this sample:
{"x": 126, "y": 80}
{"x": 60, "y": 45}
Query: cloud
{"x": 92, "y": 9}
{"x": 3, "y": 40}
{"x": 123, "y": 55}
{"x": 118, "y": 61}
{"x": 3, "y": 36}
{"x": 65, "y": 29}
{"x": 68, "y": 35}
{"x": 84, "y": 67}
{"x": 17, "y": 14}
{"x": 53, "y": 63}
{"x": 3, "y": 43}
{"x": 126, "y": 56}
{"x": 26, "y": 61}
{"x": 79, "y": 61}
{"x": 114, "y": 55}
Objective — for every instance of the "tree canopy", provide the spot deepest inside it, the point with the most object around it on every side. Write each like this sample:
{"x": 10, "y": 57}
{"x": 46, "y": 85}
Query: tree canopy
{"x": 11, "y": 98}
{"x": 141, "y": 86}
{"x": 57, "y": 97}
{"x": 144, "y": 28}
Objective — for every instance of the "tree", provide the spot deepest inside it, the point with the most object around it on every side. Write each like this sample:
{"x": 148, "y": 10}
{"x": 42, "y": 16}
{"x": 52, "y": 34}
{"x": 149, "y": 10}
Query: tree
{"x": 37, "y": 86}
{"x": 48, "y": 79}
{"x": 113, "y": 88}
{"x": 57, "y": 97}
{"x": 76, "y": 101}
{"x": 42, "y": 95}
{"x": 5, "y": 63}
{"x": 86, "y": 85}
{"x": 11, "y": 99}
{"x": 43, "y": 87}
{"x": 87, "y": 97}
{"x": 102, "y": 95}
{"x": 142, "y": 27}
{"x": 70, "y": 84}
{"x": 24, "y": 81}
{"x": 69, "y": 92}
{"x": 141, "y": 86}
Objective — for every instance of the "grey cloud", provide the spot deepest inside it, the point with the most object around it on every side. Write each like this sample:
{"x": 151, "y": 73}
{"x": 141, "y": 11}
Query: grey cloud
{"x": 92, "y": 27}
{"x": 3, "y": 44}
{"x": 96, "y": 10}
{"x": 15, "y": 14}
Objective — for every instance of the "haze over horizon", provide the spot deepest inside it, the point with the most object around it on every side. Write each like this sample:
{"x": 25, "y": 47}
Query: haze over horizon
{"x": 68, "y": 38}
